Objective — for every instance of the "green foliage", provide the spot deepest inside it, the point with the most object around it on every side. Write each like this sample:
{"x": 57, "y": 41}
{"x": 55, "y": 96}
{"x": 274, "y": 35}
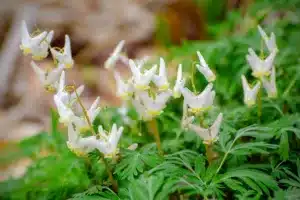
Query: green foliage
{"x": 256, "y": 158}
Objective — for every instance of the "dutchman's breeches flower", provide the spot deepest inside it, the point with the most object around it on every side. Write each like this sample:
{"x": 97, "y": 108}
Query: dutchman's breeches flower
{"x": 115, "y": 56}
{"x": 269, "y": 41}
{"x": 124, "y": 90}
{"x": 49, "y": 79}
{"x": 250, "y": 94}
{"x": 141, "y": 80}
{"x": 201, "y": 102}
{"x": 36, "y": 45}
{"x": 204, "y": 69}
{"x": 161, "y": 80}
{"x": 270, "y": 85}
{"x": 209, "y": 135}
{"x": 260, "y": 68}
{"x": 64, "y": 57}
{"x": 109, "y": 140}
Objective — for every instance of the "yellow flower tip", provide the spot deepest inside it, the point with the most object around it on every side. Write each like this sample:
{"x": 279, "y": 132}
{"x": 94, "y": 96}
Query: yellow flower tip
{"x": 68, "y": 65}
{"x": 212, "y": 78}
{"x": 77, "y": 152}
{"x": 250, "y": 103}
{"x": 153, "y": 113}
{"x": 113, "y": 154}
{"x": 26, "y": 50}
{"x": 38, "y": 57}
{"x": 142, "y": 87}
{"x": 125, "y": 95}
{"x": 261, "y": 74}
{"x": 50, "y": 88}
{"x": 84, "y": 129}
{"x": 176, "y": 95}
{"x": 163, "y": 87}
{"x": 199, "y": 110}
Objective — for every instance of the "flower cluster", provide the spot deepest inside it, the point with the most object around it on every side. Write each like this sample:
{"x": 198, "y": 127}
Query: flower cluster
{"x": 149, "y": 91}
{"x": 67, "y": 98}
{"x": 263, "y": 70}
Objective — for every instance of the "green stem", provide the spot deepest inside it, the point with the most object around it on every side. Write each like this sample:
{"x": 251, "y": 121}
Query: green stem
{"x": 109, "y": 173}
{"x": 108, "y": 170}
{"x": 152, "y": 125}
{"x": 292, "y": 83}
{"x": 259, "y": 104}
{"x": 225, "y": 156}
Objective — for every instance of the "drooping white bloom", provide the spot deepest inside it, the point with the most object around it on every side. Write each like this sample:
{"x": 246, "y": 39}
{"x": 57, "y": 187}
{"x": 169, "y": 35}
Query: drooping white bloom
{"x": 67, "y": 98}
{"x": 141, "y": 109}
{"x": 110, "y": 140}
{"x": 141, "y": 80}
{"x": 65, "y": 112}
{"x": 81, "y": 145}
{"x": 36, "y": 45}
{"x": 260, "y": 67}
{"x": 179, "y": 84}
{"x": 201, "y": 102}
{"x": 209, "y": 135}
{"x": 204, "y": 69}
{"x": 269, "y": 41}
{"x": 64, "y": 57}
{"x": 249, "y": 93}
{"x": 124, "y": 90}
{"x": 81, "y": 122}
{"x": 186, "y": 120}
{"x": 161, "y": 80}
{"x": 270, "y": 85}
{"x": 154, "y": 106}
{"x": 48, "y": 79}
{"x": 116, "y": 54}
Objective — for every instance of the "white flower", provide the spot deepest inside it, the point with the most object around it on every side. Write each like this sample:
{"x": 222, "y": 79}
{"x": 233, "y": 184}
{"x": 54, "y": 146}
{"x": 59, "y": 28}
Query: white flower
{"x": 154, "y": 106}
{"x": 48, "y": 79}
{"x": 204, "y": 69}
{"x": 65, "y": 113}
{"x": 161, "y": 80}
{"x": 64, "y": 96}
{"x": 201, "y": 102}
{"x": 81, "y": 121}
{"x": 260, "y": 68}
{"x": 269, "y": 41}
{"x": 123, "y": 111}
{"x": 186, "y": 120}
{"x": 124, "y": 90}
{"x": 209, "y": 135}
{"x": 270, "y": 85}
{"x": 141, "y": 80}
{"x": 37, "y": 45}
{"x": 116, "y": 54}
{"x": 64, "y": 57}
{"x": 179, "y": 84}
{"x": 249, "y": 93}
{"x": 110, "y": 140}
{"x": 79, "y": 145}
{"x": 141, "y": 109}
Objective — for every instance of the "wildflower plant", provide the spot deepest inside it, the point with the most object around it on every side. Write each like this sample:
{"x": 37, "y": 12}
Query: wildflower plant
{"x": 185, "y": 135}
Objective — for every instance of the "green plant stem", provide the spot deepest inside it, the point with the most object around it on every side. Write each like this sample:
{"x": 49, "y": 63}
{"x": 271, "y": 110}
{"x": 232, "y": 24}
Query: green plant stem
{"x": 152, "y": 125}
{"x": 108, "y": 170}
{"x": 225, "y": 156}
{"x": 259, "y": 104}
{"x": 289, "y": 87}
{"x": 109, "y": 173}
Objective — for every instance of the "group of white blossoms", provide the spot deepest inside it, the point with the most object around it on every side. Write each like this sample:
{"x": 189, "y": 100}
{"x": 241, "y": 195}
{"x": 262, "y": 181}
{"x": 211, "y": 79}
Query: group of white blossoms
{"x": 263, "y": 69}
{"x": 147, "y": 90}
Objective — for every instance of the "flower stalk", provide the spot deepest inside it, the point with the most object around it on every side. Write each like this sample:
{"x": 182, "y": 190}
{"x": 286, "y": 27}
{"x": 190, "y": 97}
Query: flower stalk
{"x": 152, "y": 125}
